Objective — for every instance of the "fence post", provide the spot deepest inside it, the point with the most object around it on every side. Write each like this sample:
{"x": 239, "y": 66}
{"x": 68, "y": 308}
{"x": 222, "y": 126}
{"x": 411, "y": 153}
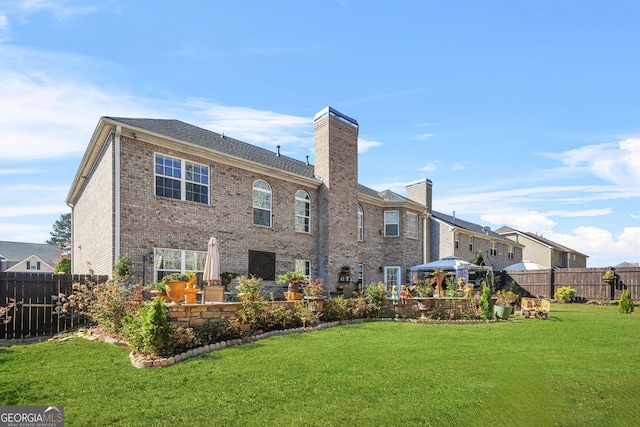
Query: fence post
{"x": 552, "y": 285}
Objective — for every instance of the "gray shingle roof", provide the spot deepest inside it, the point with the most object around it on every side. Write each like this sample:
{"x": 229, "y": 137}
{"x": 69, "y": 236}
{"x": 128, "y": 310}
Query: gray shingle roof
{"x": 466, "y": 225}
{"x": 182, "y": 131}
{"x": 17, "y": 251}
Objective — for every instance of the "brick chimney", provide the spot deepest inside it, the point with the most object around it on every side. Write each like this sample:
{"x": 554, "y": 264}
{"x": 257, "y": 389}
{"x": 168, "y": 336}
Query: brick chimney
{"x": 336, "y": 164}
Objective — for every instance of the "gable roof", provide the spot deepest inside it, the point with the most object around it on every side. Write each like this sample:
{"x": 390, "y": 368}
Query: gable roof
{"x": 456, "y": 222}
{"x": 543, "y": 241}
{"x": 185, "y": 132}
{"x": 15, "y": 252}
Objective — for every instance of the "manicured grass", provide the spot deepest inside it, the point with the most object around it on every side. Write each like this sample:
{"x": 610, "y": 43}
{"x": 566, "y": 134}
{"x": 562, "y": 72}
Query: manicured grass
{"x": 580, "y": 367}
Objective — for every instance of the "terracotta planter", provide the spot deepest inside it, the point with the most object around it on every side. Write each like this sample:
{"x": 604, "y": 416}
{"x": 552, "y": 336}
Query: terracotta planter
{"x": 190, "y": 295}
{"x": 158, "y": 294}
{"x": 175, "y": 290}
{"x": 293, "y": 296}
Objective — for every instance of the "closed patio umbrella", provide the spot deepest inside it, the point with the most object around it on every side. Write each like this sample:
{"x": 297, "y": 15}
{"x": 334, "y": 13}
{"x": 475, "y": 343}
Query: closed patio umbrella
{"x": 211, "y": 273}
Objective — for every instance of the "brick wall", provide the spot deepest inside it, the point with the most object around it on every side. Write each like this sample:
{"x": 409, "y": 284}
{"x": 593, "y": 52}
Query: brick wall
{"x": 92, "y": 219}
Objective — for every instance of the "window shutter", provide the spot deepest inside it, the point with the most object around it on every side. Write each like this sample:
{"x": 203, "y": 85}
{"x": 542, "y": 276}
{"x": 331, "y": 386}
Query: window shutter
{"x": 38, "y": 266}
{"x": 28, "y": 265}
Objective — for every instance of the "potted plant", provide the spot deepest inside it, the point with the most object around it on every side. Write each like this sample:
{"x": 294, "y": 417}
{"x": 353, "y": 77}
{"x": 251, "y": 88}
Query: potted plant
{"x": 191, "y": 290}
{"x": 249, "y": 288}
{"x": 504, "y": 300}
{"x": 609, "y": 277}
{"x": 294, "y": 279}
{"x": 313, "y": 294}
{"x": 226, "y": 278}
{"x": 159, "y": 289}
{"x": 175, "y": 283}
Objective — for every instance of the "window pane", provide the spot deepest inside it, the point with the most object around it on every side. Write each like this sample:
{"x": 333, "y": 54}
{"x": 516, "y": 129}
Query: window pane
{"x": 262, "y": 217}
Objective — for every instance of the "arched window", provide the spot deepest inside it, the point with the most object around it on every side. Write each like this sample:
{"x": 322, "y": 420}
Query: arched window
{"x": 303, "y": 212}
{"x": 360, "y": 224}
{"x": 262, "y": 202}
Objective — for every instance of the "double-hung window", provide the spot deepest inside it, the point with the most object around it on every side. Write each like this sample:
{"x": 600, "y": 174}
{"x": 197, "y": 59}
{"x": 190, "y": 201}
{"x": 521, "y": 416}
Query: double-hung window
{"x": 412, "y": 225}
{"x": 168, "y": 261}
{"x": 493, "y": 250}
{"x": 391, "y": 223}
{"x": 470, "y": 243}
{"x": 510, "y": 253}
{"x": 303, "y": 212}
{"x": 262, "y": 203}
{"x": 304, "y": 266}
{"x": 181, "y": 179}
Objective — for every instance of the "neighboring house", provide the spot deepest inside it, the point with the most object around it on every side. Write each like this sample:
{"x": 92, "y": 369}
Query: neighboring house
{"x": 18, "y": 257}
{"x": 156, "y": 190}
{"x": 451, "y": 236}
{"x": 544, "y": 251}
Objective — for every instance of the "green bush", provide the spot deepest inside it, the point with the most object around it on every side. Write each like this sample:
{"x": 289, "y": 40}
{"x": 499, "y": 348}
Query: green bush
{"x": 112, "y": 303}
{"x": 335, "y": 309}
{"x": 148, "y": 330}
{"x": 626, "y": 303}
{"x": 486, "y": 303}
{"x": 63, "y": 266}
{"x": 375, "y": 295}
{"x": 565, "y": 294}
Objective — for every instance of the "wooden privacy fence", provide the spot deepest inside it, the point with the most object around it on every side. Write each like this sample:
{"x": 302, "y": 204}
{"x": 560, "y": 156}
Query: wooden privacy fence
{"x": 34, "y": 314}
{"x": 587, "y": 282}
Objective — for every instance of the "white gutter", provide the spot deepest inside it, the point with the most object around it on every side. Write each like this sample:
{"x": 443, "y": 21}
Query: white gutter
{"x": 116, "y": 183}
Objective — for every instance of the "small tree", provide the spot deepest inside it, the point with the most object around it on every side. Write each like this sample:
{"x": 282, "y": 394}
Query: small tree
{"x": 626, "y": 303}
{"x": 486, "y": 303}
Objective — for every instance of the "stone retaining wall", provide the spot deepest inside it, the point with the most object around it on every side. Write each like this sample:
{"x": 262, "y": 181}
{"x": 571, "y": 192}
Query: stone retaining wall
{"x": 191, "y": 315}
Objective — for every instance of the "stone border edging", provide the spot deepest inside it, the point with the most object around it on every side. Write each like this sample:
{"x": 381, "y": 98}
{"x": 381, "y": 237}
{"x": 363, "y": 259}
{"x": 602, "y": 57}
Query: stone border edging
{"x": 168, "y": 361}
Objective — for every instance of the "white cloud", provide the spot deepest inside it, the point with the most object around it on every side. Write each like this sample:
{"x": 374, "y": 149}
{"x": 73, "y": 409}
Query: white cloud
{"x": 53, "y": 114}
{"x": 364, "y": 145}
{"x": 429, "y": 167}
{"x": 424, "y": 136}
{"x": 14, "y": 232}
{"x": 61, "y": 9}
{"x": 617, "y": 162}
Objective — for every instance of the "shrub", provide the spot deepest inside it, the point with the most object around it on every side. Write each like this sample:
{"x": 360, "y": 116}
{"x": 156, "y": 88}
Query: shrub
{"x": 148, "y": 330}
{"x": 76, "y": 305}
{"x": 335, "y": 309}
{"x": 375, "y": 295}
{"x": 626, "y": 303}
{"x": 249, "y": 288}
{"x": 486, "y": 303}
{"x": 63, "y": 266}
{"x": 122, "y": 269}
{"x": 565, "y": 294}
{"x": 112, "y": 303}
{"x": 181, "y": 339}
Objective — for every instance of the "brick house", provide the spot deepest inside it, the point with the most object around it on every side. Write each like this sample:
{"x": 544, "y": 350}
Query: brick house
{"x": 156, "y": 190}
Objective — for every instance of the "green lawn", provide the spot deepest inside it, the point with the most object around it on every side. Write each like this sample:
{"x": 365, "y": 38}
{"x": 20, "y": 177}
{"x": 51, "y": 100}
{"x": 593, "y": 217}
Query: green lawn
{"x": 581, "y": 367}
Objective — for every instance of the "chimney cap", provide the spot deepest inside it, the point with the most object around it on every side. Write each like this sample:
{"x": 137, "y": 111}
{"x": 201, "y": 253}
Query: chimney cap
{"x": 330, "y": 111}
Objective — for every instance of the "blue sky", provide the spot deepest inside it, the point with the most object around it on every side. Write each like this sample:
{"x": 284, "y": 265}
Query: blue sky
{"x": 521, "y": 113}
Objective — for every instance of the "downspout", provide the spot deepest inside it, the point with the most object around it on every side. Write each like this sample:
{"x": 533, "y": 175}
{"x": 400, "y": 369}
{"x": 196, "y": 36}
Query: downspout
{"x": 72, "y": 248}
{"x": 425, "y": 243}
{"x": 116, "y": 183}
